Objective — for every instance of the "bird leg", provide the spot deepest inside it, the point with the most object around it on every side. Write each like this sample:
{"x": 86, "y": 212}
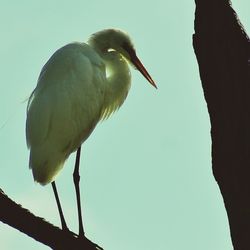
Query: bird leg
{"x": 76, "y": 178}
{"x": 64, "y": 226}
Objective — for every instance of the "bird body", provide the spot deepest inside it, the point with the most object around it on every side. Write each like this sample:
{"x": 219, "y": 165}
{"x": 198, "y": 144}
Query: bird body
{"x": 78, "y": 86}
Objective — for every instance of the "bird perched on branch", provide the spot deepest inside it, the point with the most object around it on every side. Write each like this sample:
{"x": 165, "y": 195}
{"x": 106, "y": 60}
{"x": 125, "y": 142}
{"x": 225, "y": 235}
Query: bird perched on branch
{"x": 81, "y": 84}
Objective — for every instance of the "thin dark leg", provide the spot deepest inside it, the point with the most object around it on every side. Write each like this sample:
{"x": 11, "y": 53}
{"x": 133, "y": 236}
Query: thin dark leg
{"x": 64, "y": 226}
{"x": 76, "y": 178}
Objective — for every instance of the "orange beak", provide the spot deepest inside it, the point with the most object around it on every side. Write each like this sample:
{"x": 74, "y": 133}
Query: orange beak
{"x": 136, "y": 61}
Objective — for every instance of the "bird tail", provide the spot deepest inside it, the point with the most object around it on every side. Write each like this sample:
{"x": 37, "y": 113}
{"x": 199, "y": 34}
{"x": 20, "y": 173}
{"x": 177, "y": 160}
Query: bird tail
{"x": 45, "y": 164}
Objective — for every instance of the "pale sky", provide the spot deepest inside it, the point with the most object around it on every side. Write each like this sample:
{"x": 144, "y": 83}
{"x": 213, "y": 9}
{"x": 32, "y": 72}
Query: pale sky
{"x": 146, "y": 175}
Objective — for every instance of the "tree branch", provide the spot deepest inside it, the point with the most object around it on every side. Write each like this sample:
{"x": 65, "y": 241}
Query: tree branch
{"x": 39, "y": 229}
{"x": 222, "y": 49}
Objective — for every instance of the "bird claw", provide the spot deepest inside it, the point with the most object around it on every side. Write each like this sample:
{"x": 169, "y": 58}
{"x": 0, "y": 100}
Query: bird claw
{"x": 89, "y": 243}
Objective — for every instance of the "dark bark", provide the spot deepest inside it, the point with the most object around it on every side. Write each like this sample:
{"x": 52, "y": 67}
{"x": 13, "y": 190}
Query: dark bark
{"x": 39, "y": 229}
{"x": 223, "y": 51}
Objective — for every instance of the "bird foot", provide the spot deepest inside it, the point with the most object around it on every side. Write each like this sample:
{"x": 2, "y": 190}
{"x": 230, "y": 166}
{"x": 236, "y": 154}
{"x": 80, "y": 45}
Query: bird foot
{"x": 89, "y": 243}
{"x": 66, "y": 230}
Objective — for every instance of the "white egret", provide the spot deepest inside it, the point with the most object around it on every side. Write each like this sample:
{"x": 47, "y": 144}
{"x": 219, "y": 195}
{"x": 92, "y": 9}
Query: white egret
{"x": 81, "y": 84}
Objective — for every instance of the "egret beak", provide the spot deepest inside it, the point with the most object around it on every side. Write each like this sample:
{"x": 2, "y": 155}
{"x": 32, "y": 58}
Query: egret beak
{"x": 136, "y": 61}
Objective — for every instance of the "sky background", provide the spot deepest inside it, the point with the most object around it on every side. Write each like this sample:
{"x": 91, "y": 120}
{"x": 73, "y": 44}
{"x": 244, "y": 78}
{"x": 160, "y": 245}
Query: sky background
{"x": 146, "y": 172}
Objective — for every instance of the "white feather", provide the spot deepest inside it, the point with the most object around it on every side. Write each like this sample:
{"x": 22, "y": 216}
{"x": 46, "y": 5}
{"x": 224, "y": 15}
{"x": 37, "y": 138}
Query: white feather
{"x": 59, "y": 116}
{"x": 73, "y": 93}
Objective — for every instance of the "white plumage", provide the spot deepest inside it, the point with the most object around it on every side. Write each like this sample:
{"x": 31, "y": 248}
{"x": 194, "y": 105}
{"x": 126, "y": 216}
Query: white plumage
{"x": 73, "y": 93}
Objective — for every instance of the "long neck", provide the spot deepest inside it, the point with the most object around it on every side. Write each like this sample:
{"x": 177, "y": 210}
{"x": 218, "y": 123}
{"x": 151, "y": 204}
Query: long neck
{"x": 118, "y": 82}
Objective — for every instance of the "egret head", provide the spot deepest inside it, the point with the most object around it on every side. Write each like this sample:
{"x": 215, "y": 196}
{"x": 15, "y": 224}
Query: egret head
{"x": 111, "y": 39}
{"x": 114, "y": 39}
